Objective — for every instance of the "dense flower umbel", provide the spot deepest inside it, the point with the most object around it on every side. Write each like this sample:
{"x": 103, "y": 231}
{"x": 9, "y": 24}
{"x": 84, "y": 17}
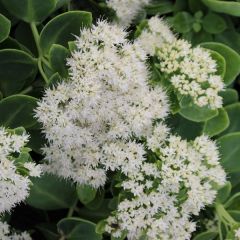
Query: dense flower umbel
{"x": 237, "y": 234}
{"x": 162, "y": 195}
{"x": 14, "y": 187}
{"x": 191, "y": 71}
{"x": 155, "y": 34}
{"x": 106, "y": 102}
{"x": 126, "y": 10}
{"x": 6, "y": 234}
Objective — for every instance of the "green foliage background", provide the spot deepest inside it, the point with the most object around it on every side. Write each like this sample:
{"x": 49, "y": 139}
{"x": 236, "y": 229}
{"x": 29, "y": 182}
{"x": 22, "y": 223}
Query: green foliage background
{"x": 36, "y": 36}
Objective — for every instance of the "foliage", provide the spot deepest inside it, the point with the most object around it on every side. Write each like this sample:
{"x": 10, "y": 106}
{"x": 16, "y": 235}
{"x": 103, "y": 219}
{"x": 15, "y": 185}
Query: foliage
{"x": 36, "y": 39}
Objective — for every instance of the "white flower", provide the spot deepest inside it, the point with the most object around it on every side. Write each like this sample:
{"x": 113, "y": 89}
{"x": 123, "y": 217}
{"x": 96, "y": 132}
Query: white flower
{"x": 6, "y": 234}
{"x": 105, "y": 103}
{"x": 127, "y": 10}
{"x": 166, "y": 193}
{"x": 155, "y": 35}
{"x": 14, "y": 187}
{"x": 192, "y": 72}
{"x": 237, "y": 233}
{"x": 34, "y": 169}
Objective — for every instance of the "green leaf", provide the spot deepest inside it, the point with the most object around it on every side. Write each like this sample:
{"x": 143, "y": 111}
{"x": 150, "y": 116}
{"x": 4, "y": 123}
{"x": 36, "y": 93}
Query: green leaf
{"x": 233, "y": 202}
{"x": 17, "y": 110}
{"x": 58, "y": 56}
{"x": 5, "y": 26}
{"x": 229, "y": 96}
{"x": 233, "y": 111}
{"x": 100, "y": 227}
{"x": 195, "y": 6}
{"x": 62, "y": 28}
{"x": 16, "y": 67}
{"x": 182, "y": 22}
{"x": 49, "y": 231}
{"x": 198, "y": 114}
{"x": 209, "y": 235}
{"x": 97, "y": 202}
{"x": 235, "y": 215}
{"x": 197, "y": 27}
{"x": 224, "y": 193}
{"x": 78, "y": 229}
{"x": 50, "y": 193}
{"x": 159, "y": 8}
{"x": 36, "y": 141}
{"x": 30, "y": 10}
{"x": 231, "y": 38}
{"x": 185, "y": 128}
{"x": 217, "y": 124}
{"x": 23, "y": 34}
{"x": 228, "y": 7}
{"x": 54, "y": 79}
{"x": 213, "y": 23}
{"x": 86, "y": 193}
{"x": 229, "y": 149}
{"x": 61, "y": 3}
{"x": 231, "y": 57}
{"x": 221, "y": 63}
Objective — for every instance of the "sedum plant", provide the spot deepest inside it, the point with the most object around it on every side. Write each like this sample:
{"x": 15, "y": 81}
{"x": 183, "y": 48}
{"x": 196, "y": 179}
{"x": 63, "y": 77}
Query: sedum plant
{"x": 16, "y": 168}
{"x": 116, "y": 127}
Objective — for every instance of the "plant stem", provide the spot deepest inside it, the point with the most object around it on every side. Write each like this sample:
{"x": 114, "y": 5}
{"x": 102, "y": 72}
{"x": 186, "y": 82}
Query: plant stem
{"x": 224, "y": 215}
{"x": 72, "y": 209}
{"x": 41, "y": 71}
{"x": 26, "y": 90}
{"x": 36, "y": 37}
{"x": 40, "y": 57}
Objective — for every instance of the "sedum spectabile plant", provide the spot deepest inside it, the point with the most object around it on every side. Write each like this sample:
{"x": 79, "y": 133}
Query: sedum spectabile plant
{"x": 108, "y": 117}
{"x": 16, "y": 168}
{"x": 112, "y": 126}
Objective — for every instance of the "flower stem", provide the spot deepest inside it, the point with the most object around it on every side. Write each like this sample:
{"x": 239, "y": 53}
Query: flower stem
{"x": 224, "y": 215}
{"x": 72, "y": 209}
{"x": 40, "y": 57}
{"x": 26, "y": 90}
{"x": 42, "y": 71}
{"x": 36, "y": 36}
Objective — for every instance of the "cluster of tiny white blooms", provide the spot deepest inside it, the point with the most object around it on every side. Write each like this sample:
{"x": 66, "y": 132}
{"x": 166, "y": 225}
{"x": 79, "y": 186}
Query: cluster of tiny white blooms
{"x": 211, "y": 224}
{"x": 106, "y": 102}
{"x": 165, "y": 194}
{"x": 127, "y": 10}
{"x": 13, "y": 186}
{"x": 192, "y": 72}
{"x": 237, "y": 233}
{"x": 6, "y": 234}
{"x": 155, "y": 34}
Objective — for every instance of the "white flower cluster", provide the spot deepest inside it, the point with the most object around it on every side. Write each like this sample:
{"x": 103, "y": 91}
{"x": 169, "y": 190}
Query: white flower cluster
{"x": 191, "y": 71}
{"x": 126, "y": 10}
{"x": 155, "y": 34}
{"x": 161, "y": 196}
{"x": 13, "y": 186}
{"x": 106, "y": 102}
{"x": 6, "y": 234}
{"x": 237, "y": 234}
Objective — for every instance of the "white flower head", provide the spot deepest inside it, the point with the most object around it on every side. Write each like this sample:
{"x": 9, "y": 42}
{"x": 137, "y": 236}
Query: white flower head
{"x": 14, "y": 187}
{"x": 168, "y": 191}
{"x": 7, "y": 234}
{"x": 105, "y": 103}
{"x": 192, "y": 72}
{"x": 155, "y": 35}
{"x": 127, "y": 10}
{"x": 237, "y": 233}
